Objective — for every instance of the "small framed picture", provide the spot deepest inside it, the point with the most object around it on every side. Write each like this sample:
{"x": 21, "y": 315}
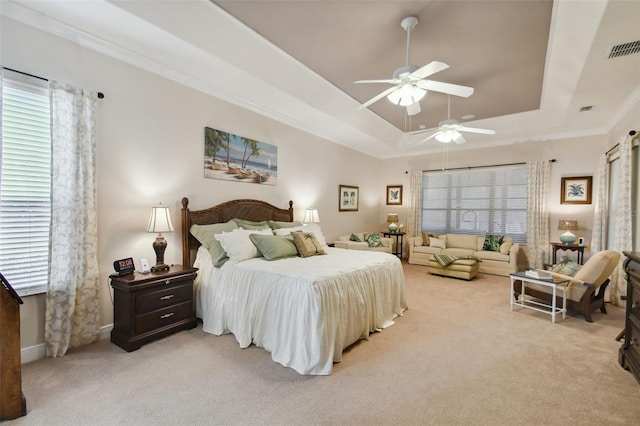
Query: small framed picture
{"x": 348, "y": 198}
{"x": 576, "y": 190}
{"x": 394, "y": 195}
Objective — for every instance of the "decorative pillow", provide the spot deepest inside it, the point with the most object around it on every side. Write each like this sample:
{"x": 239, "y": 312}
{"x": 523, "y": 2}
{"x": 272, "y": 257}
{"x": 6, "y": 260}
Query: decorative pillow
{"x": 492, "y": 242}
{"x": 437, "y": 242}
{"x": 505, "y": 247}
{"x": 273, "y": 247}
{"x": 307, "y": 243}
{"x": 206, "y": 235}
{"x": 355, "y": 238}
{"x": 566, "y": 267}
{"x": 274, "y": 224}
{"x": 238, "y": 245}
{"x": 249, "y": 224}
{"x": 373, "y": 239}
{"x": 426, "y": 236}
{"x": 311, "y": 227}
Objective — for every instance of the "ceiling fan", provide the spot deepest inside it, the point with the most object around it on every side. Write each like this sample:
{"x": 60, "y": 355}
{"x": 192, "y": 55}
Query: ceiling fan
{"x": 409, "y": 82}
{"x": 449, "y": 130}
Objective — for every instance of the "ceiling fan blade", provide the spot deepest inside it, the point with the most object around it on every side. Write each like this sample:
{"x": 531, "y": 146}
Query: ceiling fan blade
{"x": 391, "y": 81}
{"x": 476, "y": 130}
{"x": 421, "y": 131}
{"x": 378, "y": 97}
{"x": 414, "y": 108}
{"x": 429, "y": 69}
{"x": 427, "y": 138}
{"x": 451, "y": 89}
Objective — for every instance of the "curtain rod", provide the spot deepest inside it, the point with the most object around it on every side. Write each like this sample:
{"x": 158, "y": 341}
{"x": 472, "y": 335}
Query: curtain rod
{"x": 479, "y": 167}
{"x": 613, "y": 148}
{"x": 100, "y": 94}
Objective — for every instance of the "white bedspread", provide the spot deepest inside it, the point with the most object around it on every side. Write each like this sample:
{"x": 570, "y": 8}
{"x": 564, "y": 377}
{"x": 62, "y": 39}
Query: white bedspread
{"x": 305, "y": 311}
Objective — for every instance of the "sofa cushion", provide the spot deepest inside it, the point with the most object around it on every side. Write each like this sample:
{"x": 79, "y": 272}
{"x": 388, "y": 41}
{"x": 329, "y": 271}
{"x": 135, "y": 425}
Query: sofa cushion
{"x": 464, "y": 241}
{"x": 492, "y": 242}
{"x": 459, "y": 252}
{"x": 427, "y": 250}
{"x": 492, "y": 255}
{"x": 426, "y": 236}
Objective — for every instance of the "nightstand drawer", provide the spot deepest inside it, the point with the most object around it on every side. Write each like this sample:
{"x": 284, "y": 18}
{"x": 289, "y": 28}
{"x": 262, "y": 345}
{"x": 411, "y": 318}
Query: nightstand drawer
{"x": 168, "y": 296}
{"x": 163, "y": 317}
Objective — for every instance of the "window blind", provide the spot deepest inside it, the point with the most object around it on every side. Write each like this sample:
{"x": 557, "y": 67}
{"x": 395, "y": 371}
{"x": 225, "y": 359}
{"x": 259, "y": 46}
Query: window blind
{"x": 482, "y": 201}
{"x": 25, "y": 186}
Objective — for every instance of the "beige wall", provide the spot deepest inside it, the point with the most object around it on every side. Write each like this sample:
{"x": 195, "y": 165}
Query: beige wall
{"x": 150, "y": 150}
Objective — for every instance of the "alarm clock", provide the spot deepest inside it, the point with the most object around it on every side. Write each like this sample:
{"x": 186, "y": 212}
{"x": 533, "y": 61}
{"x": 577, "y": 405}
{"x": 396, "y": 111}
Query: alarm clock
{"x": 124, "y": 266}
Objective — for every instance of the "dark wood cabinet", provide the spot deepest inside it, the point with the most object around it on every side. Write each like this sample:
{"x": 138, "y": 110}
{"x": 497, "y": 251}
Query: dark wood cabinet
{"x": 629, "y": 357}
{"x": 147, "y": 307}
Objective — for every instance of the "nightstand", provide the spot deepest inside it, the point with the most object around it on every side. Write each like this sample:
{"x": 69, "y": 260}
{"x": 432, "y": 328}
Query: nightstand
{"x": 569, "y": 247}
{"x": 399, "y": 236}
{"x": 147, "y": 307}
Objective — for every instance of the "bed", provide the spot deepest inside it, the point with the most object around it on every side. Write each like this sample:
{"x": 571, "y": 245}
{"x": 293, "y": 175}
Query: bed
{"x": 303, "y": 310}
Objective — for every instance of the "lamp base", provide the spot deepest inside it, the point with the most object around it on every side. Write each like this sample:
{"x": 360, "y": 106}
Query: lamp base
{"x": 160, "y": 267}
{"x": 568, "y": 238}
{"x": 393, "y": 227}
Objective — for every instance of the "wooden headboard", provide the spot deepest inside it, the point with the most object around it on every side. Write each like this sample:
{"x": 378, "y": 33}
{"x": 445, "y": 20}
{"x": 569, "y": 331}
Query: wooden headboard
{"x": 254, "y": 210}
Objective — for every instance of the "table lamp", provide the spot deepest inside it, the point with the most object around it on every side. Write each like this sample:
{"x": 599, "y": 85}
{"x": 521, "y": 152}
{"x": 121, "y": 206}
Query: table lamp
{"x": 392, "y": 219}
{"x": 160, "y": 221}
{"x": 568, "y": 225}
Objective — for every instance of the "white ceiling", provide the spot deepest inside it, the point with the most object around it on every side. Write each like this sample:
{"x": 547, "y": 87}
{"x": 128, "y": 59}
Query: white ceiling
{"x": 298, "y": 63}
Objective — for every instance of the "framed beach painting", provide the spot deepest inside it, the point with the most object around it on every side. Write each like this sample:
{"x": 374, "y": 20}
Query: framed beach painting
{"x": 348, "y": 198}
{"x": 576, "y": 190}
{"x": 394, "y": 195}
{"x": 239, "y": 159}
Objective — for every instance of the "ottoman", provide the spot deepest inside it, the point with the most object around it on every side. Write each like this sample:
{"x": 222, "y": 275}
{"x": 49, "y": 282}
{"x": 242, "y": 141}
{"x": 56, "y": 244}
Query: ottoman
{"x": 462, "y": 268}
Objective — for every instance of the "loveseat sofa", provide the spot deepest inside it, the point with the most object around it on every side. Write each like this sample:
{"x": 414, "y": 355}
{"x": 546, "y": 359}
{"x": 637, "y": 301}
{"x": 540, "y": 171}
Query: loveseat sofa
{"x": 345, "y": 241}
{"x": 504, "y": 261}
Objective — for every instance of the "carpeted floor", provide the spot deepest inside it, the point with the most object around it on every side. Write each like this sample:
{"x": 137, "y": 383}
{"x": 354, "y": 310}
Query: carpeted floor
{"x": 458, "y": 356}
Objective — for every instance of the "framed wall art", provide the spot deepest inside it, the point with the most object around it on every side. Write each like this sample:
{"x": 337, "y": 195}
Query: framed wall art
{"x": 239, "y": 159}
{"x": 576, "y": 190}
{"x": 348, "y": 198}
{"x": 394, "y": 195}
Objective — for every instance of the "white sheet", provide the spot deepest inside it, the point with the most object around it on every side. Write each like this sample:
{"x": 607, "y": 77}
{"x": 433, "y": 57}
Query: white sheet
{"x": 305, "y": 311}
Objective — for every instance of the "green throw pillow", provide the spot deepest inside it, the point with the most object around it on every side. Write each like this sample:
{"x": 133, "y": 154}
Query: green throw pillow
{"x": 275, "y": 224}
{"x": 205, "y": 234}
{"x": 273, "y": 247}
{"x": 355, "y": 238}
{"x": 567, "y": 267}
{"x": 492, "y": 242}
{"x": 250, "y": 225}
{"x": 373, "y": 239}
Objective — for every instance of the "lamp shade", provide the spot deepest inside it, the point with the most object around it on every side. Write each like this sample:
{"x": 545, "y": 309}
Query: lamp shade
{"x": 568, "y": 225}
{"x": 160, "y": 220}
{"x": 311, "y": 216}
{"x": 392, "y": 218}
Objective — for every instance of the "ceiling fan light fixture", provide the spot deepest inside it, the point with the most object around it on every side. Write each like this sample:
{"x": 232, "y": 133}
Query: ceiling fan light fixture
{"x": 446, "y": 136}
{"x": 407, "y": 95}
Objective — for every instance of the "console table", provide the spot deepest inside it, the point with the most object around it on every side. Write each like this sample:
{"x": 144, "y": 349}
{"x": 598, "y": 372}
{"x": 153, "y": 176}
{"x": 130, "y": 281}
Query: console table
{"x": 570, "y": 247}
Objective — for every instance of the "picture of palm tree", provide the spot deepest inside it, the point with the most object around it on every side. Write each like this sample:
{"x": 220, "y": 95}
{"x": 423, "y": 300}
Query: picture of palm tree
{"x": 237, "y": 158}
{"x": 576, "y": 190}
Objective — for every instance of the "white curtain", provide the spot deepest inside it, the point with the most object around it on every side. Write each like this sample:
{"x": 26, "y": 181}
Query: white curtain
{"x": 600, "y": 206}
{"x": 622, "y": 239}
{"x": 537, "y": 215}
{"x": 414, "y": 206}
{"x": 72, "y": 308}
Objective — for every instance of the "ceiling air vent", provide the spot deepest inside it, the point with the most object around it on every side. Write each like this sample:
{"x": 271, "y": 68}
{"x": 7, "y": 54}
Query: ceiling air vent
{"x": 623, "y": 49}
{"x": 586, "y": 108}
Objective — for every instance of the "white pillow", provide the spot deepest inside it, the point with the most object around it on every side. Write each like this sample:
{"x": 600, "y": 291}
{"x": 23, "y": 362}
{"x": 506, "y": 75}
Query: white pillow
{"x": 238, "y": 245}
{"x": 311, "y": 227}
{"x": 437, "y": 242}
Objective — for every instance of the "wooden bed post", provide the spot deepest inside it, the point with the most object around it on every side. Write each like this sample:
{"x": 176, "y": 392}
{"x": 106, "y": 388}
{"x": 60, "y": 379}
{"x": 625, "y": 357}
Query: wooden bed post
{"x": 186, "y": 261}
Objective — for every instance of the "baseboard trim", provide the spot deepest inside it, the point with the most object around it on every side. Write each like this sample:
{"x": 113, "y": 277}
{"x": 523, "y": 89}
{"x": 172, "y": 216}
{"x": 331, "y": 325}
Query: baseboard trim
{"x": 36, "y": 352}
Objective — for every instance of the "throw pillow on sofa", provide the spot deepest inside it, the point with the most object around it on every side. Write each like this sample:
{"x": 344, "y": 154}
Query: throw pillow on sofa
{"x": 373, "y": 239}
{"x": 355, "y": 238}
{"x": 437, "y": 242}
{"x": 492, "y": 242}
{"x": 505, "y": 247}
{"x": 426, "y": 236}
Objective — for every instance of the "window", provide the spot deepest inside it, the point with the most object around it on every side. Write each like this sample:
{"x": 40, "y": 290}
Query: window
{"x": 25, "y": 183}
{"x": 482, "y": 201}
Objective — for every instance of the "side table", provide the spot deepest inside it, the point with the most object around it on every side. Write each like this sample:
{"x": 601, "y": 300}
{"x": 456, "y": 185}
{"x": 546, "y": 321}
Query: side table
{"x": 571, "y": 247}
{"x": 399, "y": 237}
